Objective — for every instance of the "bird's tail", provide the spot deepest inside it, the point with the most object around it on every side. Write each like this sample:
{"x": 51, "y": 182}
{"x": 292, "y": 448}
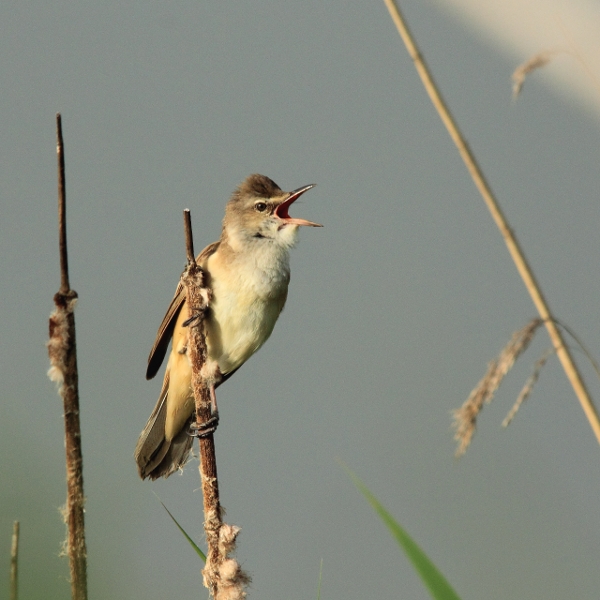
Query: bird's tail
{"x": 156, "y": 456}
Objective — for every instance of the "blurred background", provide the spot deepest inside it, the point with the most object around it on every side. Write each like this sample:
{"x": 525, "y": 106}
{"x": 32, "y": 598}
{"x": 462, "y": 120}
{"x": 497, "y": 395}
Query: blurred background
{"x": 395, "y": 306}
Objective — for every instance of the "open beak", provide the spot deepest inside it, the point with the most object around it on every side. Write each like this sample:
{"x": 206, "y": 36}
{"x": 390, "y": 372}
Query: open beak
{"x": 282, "y": 210}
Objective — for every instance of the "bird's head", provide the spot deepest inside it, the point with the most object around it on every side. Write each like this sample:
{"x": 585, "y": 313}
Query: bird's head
{"x": 259, "y": 210}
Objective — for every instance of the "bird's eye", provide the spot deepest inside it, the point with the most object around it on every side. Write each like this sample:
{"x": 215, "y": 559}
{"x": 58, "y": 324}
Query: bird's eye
{"x": 260, "y": 206}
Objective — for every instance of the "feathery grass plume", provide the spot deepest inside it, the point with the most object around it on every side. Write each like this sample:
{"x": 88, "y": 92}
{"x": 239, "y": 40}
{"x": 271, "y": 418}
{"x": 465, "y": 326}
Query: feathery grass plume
{"x": 465, "y": 418}
{"x": 537, "y": 61}
{"x": 528, "y": 387}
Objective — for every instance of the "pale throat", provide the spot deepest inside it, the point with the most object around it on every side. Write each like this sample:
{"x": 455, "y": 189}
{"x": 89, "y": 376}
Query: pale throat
{"x": 256, "y": 261}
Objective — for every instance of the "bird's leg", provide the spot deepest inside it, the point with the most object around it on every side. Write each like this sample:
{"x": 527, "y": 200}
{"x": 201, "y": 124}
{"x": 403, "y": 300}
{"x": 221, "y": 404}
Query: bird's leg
{"x": 189, "y": 321}
{"x": 214, "y": 411}
{"x": 201, "y": 430}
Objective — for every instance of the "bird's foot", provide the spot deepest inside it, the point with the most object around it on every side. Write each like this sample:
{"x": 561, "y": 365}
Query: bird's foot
{"x": 194, "y": 317}
{"x": 202, "y": 430}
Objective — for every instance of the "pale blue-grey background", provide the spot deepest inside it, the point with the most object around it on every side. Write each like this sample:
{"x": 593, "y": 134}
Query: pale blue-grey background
{"x": 395, "y": 306}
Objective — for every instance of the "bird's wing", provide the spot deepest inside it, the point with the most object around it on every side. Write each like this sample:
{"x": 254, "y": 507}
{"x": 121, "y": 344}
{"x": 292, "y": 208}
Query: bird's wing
{"x": 165, "y": 331}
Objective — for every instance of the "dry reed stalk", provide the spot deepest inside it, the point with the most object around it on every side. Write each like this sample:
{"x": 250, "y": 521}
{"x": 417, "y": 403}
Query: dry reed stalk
{"x": 222, "y": 574}
{"x": 512, "y": 244}
{"x": 14, "y": 562}
{"x": 465, "y": 418}
{"x": 62, "y": 351}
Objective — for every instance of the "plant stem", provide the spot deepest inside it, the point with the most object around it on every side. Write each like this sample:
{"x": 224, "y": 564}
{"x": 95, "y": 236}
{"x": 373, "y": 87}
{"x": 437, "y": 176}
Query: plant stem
{"x": 14, "y": 563}
{"x": 193, "y": 280}
{"x": 511, "y": 241}
{"x": 62, "y": 350}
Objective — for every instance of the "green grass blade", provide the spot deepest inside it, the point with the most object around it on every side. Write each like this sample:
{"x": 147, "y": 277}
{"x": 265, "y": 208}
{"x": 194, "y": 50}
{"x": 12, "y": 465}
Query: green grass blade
{"x": 320, "y": 579}
{"x": 433, "y": 579}
{"x": 187, "y": 537}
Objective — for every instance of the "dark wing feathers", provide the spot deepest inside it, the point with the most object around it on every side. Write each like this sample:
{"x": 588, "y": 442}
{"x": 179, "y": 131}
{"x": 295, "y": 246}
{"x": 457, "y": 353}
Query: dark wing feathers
{"x": 165, "y": 331}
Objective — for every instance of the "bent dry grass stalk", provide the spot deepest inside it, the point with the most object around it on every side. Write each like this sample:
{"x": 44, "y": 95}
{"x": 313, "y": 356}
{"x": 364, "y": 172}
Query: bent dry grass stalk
{"x": 525, "y": 271}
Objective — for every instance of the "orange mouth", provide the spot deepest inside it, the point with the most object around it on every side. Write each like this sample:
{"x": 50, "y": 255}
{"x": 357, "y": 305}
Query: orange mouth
{"x": 282, "y": 210}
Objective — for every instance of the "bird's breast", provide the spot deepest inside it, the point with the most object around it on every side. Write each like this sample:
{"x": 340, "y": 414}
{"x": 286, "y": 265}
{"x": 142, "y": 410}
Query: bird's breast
{"x": 248, "y": 296}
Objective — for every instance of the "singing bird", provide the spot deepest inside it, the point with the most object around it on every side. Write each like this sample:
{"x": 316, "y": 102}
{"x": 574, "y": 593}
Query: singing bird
{"x": 248, "y": 271}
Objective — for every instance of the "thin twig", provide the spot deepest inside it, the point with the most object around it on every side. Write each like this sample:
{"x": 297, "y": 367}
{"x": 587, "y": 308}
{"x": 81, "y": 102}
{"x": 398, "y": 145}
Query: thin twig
{"x": 511, "y": 242}
{"x": 62, "y": 210}
{"x": 62, "y": 351}
{"x": 14, "y": 563}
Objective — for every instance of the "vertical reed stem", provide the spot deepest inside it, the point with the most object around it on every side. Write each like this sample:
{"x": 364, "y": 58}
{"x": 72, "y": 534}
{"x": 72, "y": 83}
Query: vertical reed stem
{"x": 14, "y": 563}
{"x": 193, "y": 280}
{"x": 62, "y": 351}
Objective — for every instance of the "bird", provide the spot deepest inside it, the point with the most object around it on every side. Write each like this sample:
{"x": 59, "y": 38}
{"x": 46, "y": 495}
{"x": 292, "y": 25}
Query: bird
{"x": 248, "y": 272}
